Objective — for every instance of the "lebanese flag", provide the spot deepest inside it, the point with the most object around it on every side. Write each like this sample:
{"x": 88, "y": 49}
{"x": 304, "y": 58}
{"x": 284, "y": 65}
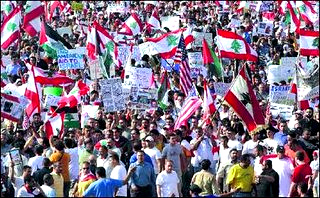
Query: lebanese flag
{"x": 294, "y": 20}
{"x": 33, "y": 93}
{"x": 10, "y": 28}
{"x": 166, "y": 45}
{"x": 74, "y": 96}
{"x": 268, "y": 16}
{"x": 31, "y": 20}
{"x": 7, "y": 7}
{"x": 234, "y": 46}
{"x": 154, "y": 21}
{"x": 54, "y": 124}
{"x": 106, "y": 41}
{"x": 188, "y": 37}
{"x": 241, "y": 6}
{"x": 309, "y": 43}
{"x": 208, "y": 102}
{"x": 189, "y": 107}
{"x": 53, "y": 6}
{"x": 132, "y": 26}
{"x": 307, "y": 12}
{"x": 65, "y": 7}
{"x": 244, "y": 102}
{"x": 92, "y": 43}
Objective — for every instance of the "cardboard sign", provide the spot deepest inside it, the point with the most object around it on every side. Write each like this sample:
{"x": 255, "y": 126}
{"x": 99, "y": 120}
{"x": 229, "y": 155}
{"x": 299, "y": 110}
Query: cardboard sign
{"x": 281, "y": 95}
{"x": 124, "y": 51}
{"x": 234, "y": 23}
{"x": 171, "y": 22}
{"x": 282, "y": 111}
{"x": 112, "y": 97}
{"x": 64, "y": 30}
{"x": 120, "y": 7}
{"x": 195, "y": 59}
{"x": 265, "y": 28}
{"x": 139, "y": 77}
{"x": 308, "y": 80}
{"x": 199, "y": 37}
{"x": 88, "y": 111}
{"x": 95, "y": 69}
{"x": 195, "y": 71}
{"x": 142, "y": 98}
{"x": 221, "y": 88}
{"x": 51, "y": 101}
{"x": 70, "y": 59}
{"x": 12, "y": 107}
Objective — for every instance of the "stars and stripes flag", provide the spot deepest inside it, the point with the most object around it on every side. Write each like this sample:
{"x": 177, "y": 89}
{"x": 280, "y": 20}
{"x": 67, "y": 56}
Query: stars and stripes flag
{"x": 182, "y": 59}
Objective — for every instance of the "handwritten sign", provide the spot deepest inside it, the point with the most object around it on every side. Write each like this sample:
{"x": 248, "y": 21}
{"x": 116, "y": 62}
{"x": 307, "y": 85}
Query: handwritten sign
{"x": 124, "y": 51}
{"x": 281, "y": 95}
{"x": 195, "y": 59}
{"x": 234, "y": 23}
{"x": 142, "y": 98}
{"x": 221, "y": 88}
{"x": 148, "y": 48}
{"x": 64, "y": 30}
{"x": 70, "y": 59}
{"x": 199, "y": 37}
{"x": 112, "y": 97}
{"x": 280, "y": 110}
{"x": 139, "y": 77}
{"x": 265, "y": 28}
{"x": 51, "y": 100}
{"x": 95, "y": 69}
{"x": 12, "y": 107}
{"x": 171, "y": 22}
{"x": 120, "y": 7}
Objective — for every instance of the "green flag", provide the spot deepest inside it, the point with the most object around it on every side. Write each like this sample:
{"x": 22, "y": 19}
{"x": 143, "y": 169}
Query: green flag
{"x": 163, "y": 91}
{"x": 216, "y": 67}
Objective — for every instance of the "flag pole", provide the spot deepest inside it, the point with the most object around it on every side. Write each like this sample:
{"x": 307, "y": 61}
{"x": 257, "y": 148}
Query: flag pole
{"x": 219, "y": 56}
{"x": 296, "y": 75}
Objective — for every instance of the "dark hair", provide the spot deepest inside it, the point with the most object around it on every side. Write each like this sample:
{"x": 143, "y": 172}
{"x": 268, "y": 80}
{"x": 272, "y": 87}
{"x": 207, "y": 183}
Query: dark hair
{"x": 234, "y": 149}
{"x": 47, "y": 178}
{"x": 68, "y": 142}
{"x": 101, "y": 172}
{"x": 268, "y": 163}
{"x": 104, "y": 147}
{"x": 46, "y": 162}
{"x": 140, "y": 151}
{"x": 310, "y": 108}
{"x": 28, "y": 179}
{"x": 114, "y": 156}
{"x": 36, "y": 114}
{"x": 244, "y": 158}
{"x": 59, "y": 145}
{"x": 38, "y": 149}
{"x": 205, "y": 164}
{"x": 300, "y": 155}
{"x": 137, "y": 146}
{"x": 26, "y": 167}
{"x": 259, "y": 147}
{"x": 154, "y": 132}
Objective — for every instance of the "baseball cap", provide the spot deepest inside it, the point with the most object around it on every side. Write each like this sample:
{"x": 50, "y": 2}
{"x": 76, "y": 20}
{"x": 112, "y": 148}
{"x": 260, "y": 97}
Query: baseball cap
{"x": 280, "y": 149}
{"x": 149, "y": 138}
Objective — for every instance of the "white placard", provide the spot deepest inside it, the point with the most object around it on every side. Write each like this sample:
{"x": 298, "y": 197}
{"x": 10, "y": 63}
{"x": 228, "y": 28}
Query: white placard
{"x": 195, "y": 59}
{"x": 265, "y": 28}
{"x": 112, "y": 97}
{"x": 139, "y": 77}
{"x": 51, "y": 100}
{"x": 281, "y": 95}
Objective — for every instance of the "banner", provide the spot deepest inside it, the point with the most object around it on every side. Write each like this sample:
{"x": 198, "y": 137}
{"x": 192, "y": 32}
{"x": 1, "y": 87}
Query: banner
{"x": 148, "y": 48}
{"x": 88, "y": 111}
{"x": 64, "y": 30}
{"x": 139, "y": 77}
{"x": 221, "y": 88}
{"x": 199, "y": 37}
{"x": 51, "y": 101}
{"x": 281, "y": 95}
{"x": 124, "y": 51}
{"x": 12, "y": 107}
{"x": 70, "y": 59}
{"x": 265, "y": 28}
{"x": 282, "y": 111}
{"x": 142, "y": 98}
{"x": 95, "y": 69}
{"x": 112, "y": 97}
{"x": 171, "y": 22}
{"x": 120, "y": 6}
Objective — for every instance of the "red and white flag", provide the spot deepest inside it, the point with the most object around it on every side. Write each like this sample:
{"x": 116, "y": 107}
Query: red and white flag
{"x": 7, "y": 7}
{"x": 309, "y": 43}
{"x": 53, "y": 6}
{"x": 54, "y": 124}
{"x": 308, "y": 14}
{"x": 34, "y": 94}
{"x": 244, "y": 102}
{"x": 74, "y": 96}
{"x": 187, "y": 110}
{"x": 92, "y": 45}
{"x": 65, "y": 7}
{"x": 132, "y": 26}
{"x": 188, "y": 37}
{"x": 10, "y": 28}
{"x": 234, "y": 46}
{"x": 294, "y": 20}
{"x": 154, "y": 21}
{"x": 208, "y": 102}
{"x": 31, "y": 20}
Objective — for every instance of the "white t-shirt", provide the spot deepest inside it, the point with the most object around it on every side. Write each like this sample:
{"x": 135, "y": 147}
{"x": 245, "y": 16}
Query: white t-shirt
{"x": 284, "y": 168}
{"x": 49, "y": 191}
{"x": 74, "y": 162}
{"x": 249, "y": 146}
{"x": 168, "y": 183}
{"x": 224, "y": 154}
{"x": 154, "y": 154}
{"x": 271, "y": 145}
{"x": 235, "y": 144}
{"x": 119, "y": 172}
{"x": 36, "y": 163}
{"x": 18, "y": 183}
{"x": 24, "y": 193}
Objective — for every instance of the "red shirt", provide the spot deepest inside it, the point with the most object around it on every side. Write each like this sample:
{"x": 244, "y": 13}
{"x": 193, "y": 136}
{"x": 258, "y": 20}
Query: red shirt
{"x": 299, "y": 175}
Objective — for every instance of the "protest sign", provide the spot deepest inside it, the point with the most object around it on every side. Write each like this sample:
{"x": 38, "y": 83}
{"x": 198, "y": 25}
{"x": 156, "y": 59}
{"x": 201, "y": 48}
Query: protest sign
{"x": 148, "y": 48}
{"x": 12, "y": 107}
{"x": 51, "y": 101}
{"x": 139, "y": 77}
{"x": 195, "y": 71}
{"x": 221, "y": 88}
{"x": 281, "y": 95}
{"x": 199, "y": 37}
{"x": 308, "y": 80}
{"x": 234, "y": 23}
{"x": 64, "y": 30}
{"x": 142, "y": 98}
{"x": 265, "y": 28}
{"x": 171, "y": 22}
{"x": 111, "y": 92}
{"x": 70, "y": 59}
{"x": 88, "y": 111}
{"x": 120, "y": 6}
{"x": 195, "y": 59}
{"x": 282, "y": 111}
{"x": 168, "y": 64}
{"x": 54, "y": 91}
{"x": 95, "y": 69}
{"x": 76, "y": 6}
{"x": 124, "y": 51}
{"x": 276, "y": 73}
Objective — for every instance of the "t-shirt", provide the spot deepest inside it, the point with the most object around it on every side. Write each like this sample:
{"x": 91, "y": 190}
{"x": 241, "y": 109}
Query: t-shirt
{"x": 284, "y": 168}
{"x": 24, "y": 193}
{"x": 249, "y": 146}
{"x": 240, "y": 177}
{"x": 58, "y": 184}
{"x": 271, "y": 145}
{"x": 173, "y": 153}
{"x": 18, "y": 183}
{"x": 168, "y": 183}
{"x": 49, "y": 191}
{"x": 36, "y": 163}
{"x": 74, "y": 162}
{"x": 155, "y": 155}
{"x": 235, "y": 144}
{"x": 103, "y": 188}
{"x": 119, "y": 172}
{"x": 299, "y": 175}
{"x": 64, "y": 159}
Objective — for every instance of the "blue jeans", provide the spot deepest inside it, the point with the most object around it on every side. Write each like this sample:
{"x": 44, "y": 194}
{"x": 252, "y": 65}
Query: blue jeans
{"x": 242, "y": 194}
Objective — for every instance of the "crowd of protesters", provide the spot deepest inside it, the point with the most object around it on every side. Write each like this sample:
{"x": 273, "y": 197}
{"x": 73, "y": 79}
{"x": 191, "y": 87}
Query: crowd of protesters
{"x": 144, "y": 155}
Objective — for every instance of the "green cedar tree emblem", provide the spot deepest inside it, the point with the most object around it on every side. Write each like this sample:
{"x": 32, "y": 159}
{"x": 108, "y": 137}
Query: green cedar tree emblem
{"x": 8, "y": 8}
{"x": 133, "y": 25}
{"x": 315, "y": 42}
{"x": 11, "y": 27}
{"x": 235, "y": 45}
{"x": 110, "y": 46}
{"x": 172, "y": 40}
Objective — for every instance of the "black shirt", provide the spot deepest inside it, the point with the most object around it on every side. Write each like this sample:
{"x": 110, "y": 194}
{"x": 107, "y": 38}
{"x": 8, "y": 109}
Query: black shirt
{"x": 266, "y": 188}
{"x": 38, "y": 175}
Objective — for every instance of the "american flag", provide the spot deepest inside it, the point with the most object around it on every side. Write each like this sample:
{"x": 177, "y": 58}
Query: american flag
{"x": 181, "y": 58}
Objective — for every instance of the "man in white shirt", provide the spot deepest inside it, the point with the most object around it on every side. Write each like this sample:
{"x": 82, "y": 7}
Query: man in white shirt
{"x": 47, "y": 188}
{"x": 18, "y": 182}
{"x": 30, "y": 188}
{"x": 270, "y": 143}
{"x": 36, "y": 162}
{"x": 118, "y": 172}
{"x": 233, "y": 143}
{"x": 74, "y": 159}
{"x": 154, "y": 154}
{"x": 248, "y": 147}
{"x": 167, "y": 182}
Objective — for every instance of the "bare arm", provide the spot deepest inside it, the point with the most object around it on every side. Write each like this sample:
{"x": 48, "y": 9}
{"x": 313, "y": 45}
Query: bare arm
{"x": 130, "y": 172}
{"x": 292, "y": 187}
{"x": 158, "y": 191}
